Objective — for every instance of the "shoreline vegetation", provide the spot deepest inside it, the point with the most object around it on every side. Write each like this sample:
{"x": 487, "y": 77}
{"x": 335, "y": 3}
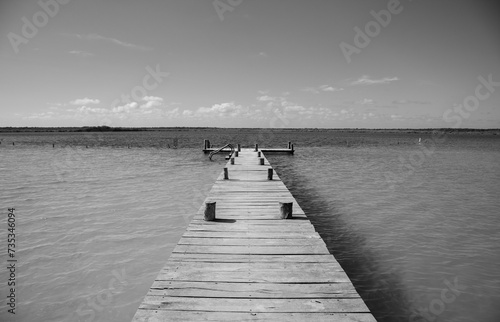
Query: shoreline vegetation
{"x": 143, "y": 129}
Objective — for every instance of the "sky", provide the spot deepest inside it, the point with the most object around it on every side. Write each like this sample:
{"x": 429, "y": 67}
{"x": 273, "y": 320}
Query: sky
{"x": 250, "y": 63}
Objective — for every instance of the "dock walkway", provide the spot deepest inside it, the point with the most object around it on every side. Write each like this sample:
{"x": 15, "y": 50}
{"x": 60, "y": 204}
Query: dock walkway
{"x": 250, "y": 265}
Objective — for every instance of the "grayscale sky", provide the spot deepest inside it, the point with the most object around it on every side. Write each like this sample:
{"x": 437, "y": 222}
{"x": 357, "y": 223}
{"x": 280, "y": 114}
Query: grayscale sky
{"x": 250, "y": 63}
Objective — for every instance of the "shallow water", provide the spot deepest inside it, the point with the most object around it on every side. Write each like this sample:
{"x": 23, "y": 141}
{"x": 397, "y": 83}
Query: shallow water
{"x": 414, "y": 226}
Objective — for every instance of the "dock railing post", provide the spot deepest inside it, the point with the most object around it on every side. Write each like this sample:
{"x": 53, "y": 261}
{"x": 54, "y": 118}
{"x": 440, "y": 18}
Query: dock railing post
{"x": 235, "y": 153}
{"x": 286, "y": 210}
{"x": 256, "y": 147}
{"x": 289, "y": 145}
{"x": 261, "y": 161}
{"x": 209, "y": 214}
{"x": 258, "y": 154}
{"x": 232, "y": 160}
{"x": 226, "y": 175}
{"x": 239, "y": 147}
{"x": 270, "y": 174}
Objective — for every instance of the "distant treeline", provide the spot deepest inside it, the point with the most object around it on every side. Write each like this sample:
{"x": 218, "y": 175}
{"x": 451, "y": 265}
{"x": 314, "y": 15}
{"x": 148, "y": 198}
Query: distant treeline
{"x": 105, "y": 128}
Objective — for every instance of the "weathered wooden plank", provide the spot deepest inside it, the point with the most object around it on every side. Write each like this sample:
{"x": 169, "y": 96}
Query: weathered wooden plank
{"x": 270, "y": 276}
{"x": 252, "y": 290}
{"x": 245, "y": 258}
{"x": 254, "y": 305}
{"x": 249, "y": 235}
{"x": 248, "y": 215}
{"x": 251, "y": 266}
{"x": 248, "y": 227}
{"x": 194, "y": 316}
{"x": 322, "y": 275}
{"x": 258, "y": 250}
{"x": 296, "y": 222}
{"x": 250, "y": 241}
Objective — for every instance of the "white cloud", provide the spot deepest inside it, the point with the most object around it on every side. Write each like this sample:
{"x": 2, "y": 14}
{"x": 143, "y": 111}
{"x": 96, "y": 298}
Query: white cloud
{"x": 328, "y": 88}
{"x": 322, "y": 88}
{"x": 365, "y": 80}
{"x": 127, "y": 108}
{"x": 111, "y": 40}
{"x": 294, "y": 108}
{"x": 151, "y": 101}
{"x": 410, "y": 102}
{"x": 80, "y": 53}
{"x": 84, "y": 101}
{"x": 366, "y": 101}
{"x": 223, "y": 109}
{"x": 91, "y": 110}
{"x": 266, "y": 98}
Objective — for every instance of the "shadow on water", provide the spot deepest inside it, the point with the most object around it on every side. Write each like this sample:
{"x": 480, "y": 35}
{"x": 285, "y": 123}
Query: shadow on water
{"x": 383, "y": 291}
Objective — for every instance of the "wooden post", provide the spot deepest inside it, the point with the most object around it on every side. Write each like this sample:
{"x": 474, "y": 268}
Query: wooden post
{"x": 239, "y": 147}
{"x": 261, "y": 161}
{"x": 232, "y": 160}
{"x": 270, "y": 174}
{"x": 226, "y": 175}
{"x": 289, "y": 145}
{"x": 235, "y": 153}
{"x": 258, "y": 154}
{"x": 256, "y": 147}
{"x": 286, "y": 210}
{"x": 209, "y": 214}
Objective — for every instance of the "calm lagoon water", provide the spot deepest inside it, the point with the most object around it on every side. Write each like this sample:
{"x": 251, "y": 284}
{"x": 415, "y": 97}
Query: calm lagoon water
{"x": 416, "y": 227}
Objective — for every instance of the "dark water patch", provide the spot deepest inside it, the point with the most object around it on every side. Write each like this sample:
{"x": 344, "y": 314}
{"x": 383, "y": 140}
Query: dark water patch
{"x": 382, "y": 290}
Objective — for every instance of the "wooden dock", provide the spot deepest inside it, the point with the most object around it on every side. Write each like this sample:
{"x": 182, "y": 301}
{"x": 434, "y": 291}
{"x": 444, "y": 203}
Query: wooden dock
{"x": 207, "y": 148}
{"x": 249, "y": 264}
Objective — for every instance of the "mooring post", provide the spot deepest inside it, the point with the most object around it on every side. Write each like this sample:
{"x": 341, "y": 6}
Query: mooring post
{"x": 261, "y": 161}
{"x": 289, "y": 145}
{"x": 226, "y": 175}
{"x": 270, "y": 174}
{"x": 256, "y": 147}
{"x": 235, "y": 153}
{"x": 286, "y": 210}
{"x": 258, "y": 154}
{"x": 205, "y": 144}
{"x": 232, "y": 160}
{"x": 239, "y": 147}
{"x": 209, "y": 214}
